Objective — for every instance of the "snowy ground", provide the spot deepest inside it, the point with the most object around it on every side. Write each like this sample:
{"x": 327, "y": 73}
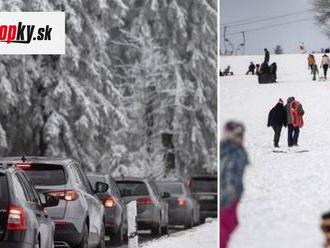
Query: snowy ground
{"x": 203, "y": 236}
{"x": 285, "y": 194}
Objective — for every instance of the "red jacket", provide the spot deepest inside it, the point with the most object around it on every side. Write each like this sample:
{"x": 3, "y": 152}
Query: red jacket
{"x": 297, "y": 113}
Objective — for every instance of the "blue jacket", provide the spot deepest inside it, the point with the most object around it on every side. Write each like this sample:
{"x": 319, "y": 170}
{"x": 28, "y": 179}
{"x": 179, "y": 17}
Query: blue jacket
{"x": 233, "y": 160}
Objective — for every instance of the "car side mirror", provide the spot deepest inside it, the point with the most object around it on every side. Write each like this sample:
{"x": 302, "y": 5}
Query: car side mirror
{"x": 166, "y": 195}
{"x": 125, "y": 192}
{"x": 101, "y": 187}
{"x": 49, "y": 201}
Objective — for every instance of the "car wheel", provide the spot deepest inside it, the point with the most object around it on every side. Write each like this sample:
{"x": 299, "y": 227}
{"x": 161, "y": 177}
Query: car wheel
{"x": 198, "y": 222}
{"x": 190, "y": 222}
{"x": 165, "y": 230}
{"x": 117, "y": 239}
{"x": 84, "y": 240}
{"x": 156, "y": 231}
{"x": 102, "y": 240}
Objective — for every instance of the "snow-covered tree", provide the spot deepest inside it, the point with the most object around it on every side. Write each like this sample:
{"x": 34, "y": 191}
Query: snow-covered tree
{"x": 64, "y": 105}
{"x": 321, "y": 9}
{"x": 134, "y": 94}
{"x": 278, "y": 49}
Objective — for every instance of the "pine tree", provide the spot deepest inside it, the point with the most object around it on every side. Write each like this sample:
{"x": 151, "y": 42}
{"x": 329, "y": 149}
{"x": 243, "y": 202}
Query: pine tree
{"x": 278, "y": 50}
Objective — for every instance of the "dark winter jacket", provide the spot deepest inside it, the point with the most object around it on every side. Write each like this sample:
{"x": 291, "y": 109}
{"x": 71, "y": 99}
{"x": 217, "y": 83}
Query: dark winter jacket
{"x": 273, "y": 68}
{"x": 252, "y": 67}
{"x": 264, "y": 68}
{"x": 233, "y": 160}
{"x": 277, "y": 116}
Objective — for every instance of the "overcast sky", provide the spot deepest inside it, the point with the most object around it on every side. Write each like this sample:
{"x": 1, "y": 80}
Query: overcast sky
{"x": 288, "y": 36}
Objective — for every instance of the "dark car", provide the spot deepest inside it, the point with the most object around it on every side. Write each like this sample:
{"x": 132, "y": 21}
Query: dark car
{"x": 24, "y": 223}
{"x": 183, "y": 207}
{"x": 79, "y": 216}
{"x": 205, "y": 190}
{"x": 152, "y": 208}
{"x": 115, "y": 208}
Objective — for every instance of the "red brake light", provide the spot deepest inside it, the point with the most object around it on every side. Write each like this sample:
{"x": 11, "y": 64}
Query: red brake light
{"x": 181, "y": 202}
{"x": 23, "y": 166}
{"x": 68, "y": 195}
{"x": 144, "y": 201}
{"x": 109, "y": 202}
{"x": 16, "y": 219}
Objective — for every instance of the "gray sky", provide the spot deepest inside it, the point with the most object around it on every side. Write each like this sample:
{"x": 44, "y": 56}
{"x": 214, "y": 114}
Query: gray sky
{"x": 288, "y": 36}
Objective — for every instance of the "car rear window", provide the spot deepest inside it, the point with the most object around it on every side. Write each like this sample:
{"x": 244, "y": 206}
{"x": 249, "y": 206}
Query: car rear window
{"x": 204, "y": 185}
{"x": 135, "y": 188}
{"x": 46, "y": 174}
{"x": 93, "y": 179}
{"x": 4, "y": 197}
{"x": 173, "y": 188}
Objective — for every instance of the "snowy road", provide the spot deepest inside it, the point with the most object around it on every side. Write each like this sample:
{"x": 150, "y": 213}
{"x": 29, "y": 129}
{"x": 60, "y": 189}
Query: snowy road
{"x": 203, "y": 236}
{"x": 285, "y": 194}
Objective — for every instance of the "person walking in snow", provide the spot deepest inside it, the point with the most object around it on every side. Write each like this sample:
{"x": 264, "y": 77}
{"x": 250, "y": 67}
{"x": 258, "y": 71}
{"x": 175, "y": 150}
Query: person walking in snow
{"x": 295, "y": 120}
{"x": 251, "y": 69}
{"x": 310, "y": 61}
{"x": 277, "y": 119}
{"x": 233, "y": 161}
{"x": 266, "y": 60}
{"x": 325, "y": 62}
{"x": 315, "y": 71}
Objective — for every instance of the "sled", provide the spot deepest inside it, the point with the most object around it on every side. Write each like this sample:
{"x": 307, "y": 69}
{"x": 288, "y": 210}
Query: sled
{"x": 301, "y": 151}
{"x": 279, "y": 151}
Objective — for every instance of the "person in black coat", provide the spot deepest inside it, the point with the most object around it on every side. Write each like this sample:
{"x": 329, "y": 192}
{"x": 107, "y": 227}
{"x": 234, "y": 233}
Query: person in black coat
{"x": 272, "y": 71}
{"x": 266, "y": 56}
{"x": 252, "y": 67}
{"x": 277, "y": 118}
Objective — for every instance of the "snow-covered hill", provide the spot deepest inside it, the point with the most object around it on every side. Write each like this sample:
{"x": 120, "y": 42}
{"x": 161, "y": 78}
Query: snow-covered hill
{"x": 285, "y": 194}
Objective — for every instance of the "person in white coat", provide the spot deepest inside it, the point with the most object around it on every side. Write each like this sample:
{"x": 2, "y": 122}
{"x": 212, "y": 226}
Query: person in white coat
{"x": 325, "y": 62}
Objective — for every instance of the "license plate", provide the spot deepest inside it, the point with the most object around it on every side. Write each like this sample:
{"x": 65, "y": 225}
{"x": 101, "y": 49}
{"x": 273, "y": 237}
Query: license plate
{"x": 206, "y": 197}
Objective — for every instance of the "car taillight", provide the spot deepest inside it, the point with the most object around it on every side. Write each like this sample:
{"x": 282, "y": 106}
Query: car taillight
{"x": 181, "y": 202}
{"x": 109, "y": 202}
{"x": 23, "y": 166}
{"x": 144, "y": 201}
{"x": 16, "y": 219}
{"x": 68, "y": 195}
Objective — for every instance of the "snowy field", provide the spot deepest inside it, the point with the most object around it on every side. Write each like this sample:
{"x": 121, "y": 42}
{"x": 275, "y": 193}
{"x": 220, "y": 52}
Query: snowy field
{"x": 203, "y": 236}
{"x": 285, "y": 193}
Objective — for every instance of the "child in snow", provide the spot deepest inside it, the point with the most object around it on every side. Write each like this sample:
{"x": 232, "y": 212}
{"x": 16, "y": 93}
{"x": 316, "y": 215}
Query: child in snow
{"x": 315, "y": 71}
{"x": 251, "y": 69}
{"x": 295, "y": 120}
{"x": 276, "y": 120}
{"x": 233, "y": 160}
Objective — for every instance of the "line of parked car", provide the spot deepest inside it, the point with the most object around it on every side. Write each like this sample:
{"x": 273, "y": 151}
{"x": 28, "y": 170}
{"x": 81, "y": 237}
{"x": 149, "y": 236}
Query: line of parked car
{"x": 51, "y": 202}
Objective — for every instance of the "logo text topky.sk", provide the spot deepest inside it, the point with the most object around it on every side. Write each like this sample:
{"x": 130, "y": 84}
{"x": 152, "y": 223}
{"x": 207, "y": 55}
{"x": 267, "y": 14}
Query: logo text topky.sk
{"x": 22, "y": 33}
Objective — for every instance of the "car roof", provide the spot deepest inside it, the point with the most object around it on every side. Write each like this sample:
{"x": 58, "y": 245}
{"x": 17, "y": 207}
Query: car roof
{"x": 131, "y": 179}
{"x": 170, "y": 181}
{"x": 36, "y": 159}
